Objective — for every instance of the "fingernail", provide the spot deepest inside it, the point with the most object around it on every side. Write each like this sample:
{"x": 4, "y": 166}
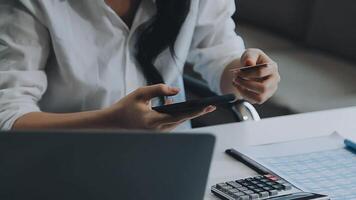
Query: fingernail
{"x": 249, "y": 61}
{"x": 236, "y": 81}
{"x": 174, "y": 89}
{"x": 210, "y": 109}
{"x": 168, "y": 101}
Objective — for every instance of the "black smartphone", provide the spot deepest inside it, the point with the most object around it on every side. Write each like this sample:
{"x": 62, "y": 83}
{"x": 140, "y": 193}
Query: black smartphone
{"x": 195, "y": 105}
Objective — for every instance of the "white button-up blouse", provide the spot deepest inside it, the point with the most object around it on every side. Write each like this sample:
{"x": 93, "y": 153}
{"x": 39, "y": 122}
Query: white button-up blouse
{"x": 77, "y": 55}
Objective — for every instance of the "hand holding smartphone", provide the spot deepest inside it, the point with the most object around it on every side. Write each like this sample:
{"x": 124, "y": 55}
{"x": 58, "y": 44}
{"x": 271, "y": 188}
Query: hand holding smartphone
{"x": 196, "y": 105}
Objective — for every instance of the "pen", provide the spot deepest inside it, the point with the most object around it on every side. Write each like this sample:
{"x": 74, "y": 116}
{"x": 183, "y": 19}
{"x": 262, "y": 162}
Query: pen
{"x": 350, "y": 144}
{"x": 248, "y": 162}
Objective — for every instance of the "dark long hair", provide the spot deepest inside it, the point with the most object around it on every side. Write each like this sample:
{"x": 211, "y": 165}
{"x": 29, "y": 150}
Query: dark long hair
{"x": 159, "y": 34}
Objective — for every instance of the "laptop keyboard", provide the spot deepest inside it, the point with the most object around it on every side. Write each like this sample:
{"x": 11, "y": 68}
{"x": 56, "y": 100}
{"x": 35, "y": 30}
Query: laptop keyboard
{"x": 259, "y": 187}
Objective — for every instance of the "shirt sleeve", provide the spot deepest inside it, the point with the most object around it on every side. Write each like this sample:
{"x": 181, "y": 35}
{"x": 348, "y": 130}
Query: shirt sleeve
{"x": 24, "y": 47}
{"x": 215, "y": 42}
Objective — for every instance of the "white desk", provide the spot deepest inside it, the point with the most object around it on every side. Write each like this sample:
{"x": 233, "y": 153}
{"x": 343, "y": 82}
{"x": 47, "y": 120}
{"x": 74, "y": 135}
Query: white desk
{"x": 271, "y": 130}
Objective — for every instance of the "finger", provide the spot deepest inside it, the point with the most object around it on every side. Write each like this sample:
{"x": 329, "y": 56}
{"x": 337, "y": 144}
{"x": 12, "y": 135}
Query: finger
{"x": 266, "y": 86}
{"x": 251, "y": 96}
{"x": 250, "y": 57}
{"x": 149, "y": 92}
{"x": 259, "y": 72}
{"x": 169, "y": 127}
{"x": 254, "y": 56}
{"x": 179, "y": 118}
{"x": 168, "y": 101}
{"x": 191, "y": 115}
{"x": 271, "y": 81}
{"x": 254, "y": 86}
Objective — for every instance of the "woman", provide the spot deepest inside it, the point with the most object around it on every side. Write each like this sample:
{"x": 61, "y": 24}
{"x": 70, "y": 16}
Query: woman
{"x": 75, "y": 64}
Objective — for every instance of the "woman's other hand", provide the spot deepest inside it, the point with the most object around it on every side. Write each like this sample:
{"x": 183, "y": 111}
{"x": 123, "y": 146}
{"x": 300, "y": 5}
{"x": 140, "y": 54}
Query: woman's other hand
{"x": 255, "y": 85}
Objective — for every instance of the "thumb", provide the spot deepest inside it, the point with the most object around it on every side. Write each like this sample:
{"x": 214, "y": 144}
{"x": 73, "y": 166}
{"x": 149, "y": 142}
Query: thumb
{"x": 249, "y": 58}
{"x": 149, "y": 92}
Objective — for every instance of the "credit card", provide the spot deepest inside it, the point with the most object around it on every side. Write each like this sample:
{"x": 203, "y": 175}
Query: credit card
{"x": 248, "y": 67}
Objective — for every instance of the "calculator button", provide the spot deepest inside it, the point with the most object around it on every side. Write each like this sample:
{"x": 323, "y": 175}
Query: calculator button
{"x": 267, "y": 188}
{"x": 248, "y": 192}
{"x": 237, "y": 195}
{"x": 245, "y": 197}
{"x": 270, "y": 183}
{"x": 232, "y": 191}
{"x": 273, "y": 192}
{"x": 234, "y": 184}
{"x": 243, "y": 188}
{"x": 244, "y": 183}
{"x": 263, "y": 194}
{"x": 252, "y": 187}
{"x": 221, "y": 185}
{"x": 281, "y": 182}
{"x": 254, "y": 196}
{"x": 227, "y": 188}
{"x": 258, "y": 190}
{"x": 264, "y": 180}
{"x": 278, "y": 187}
{"x": 224, "y": 187}
{"x": 240, "y": 181}
{"x": 287, "y": 187}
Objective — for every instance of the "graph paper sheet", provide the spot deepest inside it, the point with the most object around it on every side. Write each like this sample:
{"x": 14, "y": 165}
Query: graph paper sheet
{"x": 320, "y": 165}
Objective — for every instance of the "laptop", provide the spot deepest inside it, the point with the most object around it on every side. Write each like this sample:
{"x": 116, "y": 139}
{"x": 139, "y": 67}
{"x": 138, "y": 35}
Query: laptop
{"x": 104, "y": 165}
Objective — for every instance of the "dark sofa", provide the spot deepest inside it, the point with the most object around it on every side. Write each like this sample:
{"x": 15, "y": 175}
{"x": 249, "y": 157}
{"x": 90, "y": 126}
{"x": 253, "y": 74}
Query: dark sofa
{"x": 314, "y": 42}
